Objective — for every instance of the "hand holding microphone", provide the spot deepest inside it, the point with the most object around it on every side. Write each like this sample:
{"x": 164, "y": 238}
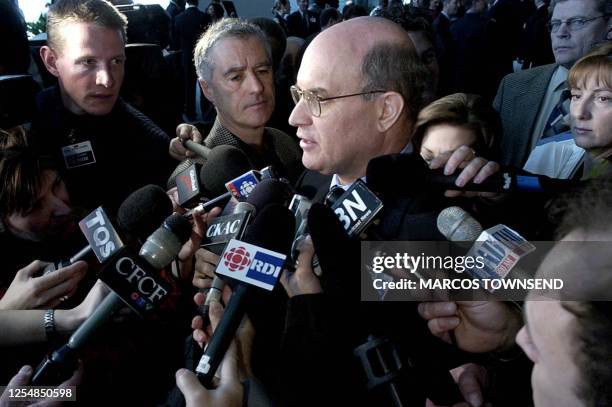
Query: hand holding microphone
{"x": 30, "y": 290}
{"x": 235, "y": 368}
{"x": 184, "y": 131}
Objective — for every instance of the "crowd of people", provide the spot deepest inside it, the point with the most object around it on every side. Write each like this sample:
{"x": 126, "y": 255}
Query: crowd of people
{"x": 467, "y": 90}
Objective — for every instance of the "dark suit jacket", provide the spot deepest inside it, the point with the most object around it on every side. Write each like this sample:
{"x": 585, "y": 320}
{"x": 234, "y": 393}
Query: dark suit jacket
{"x": 296, "y": 28}
{"x": 444, "y": 51}
{"x": 188, "y": 26}
{"x": 518, "y": 102}
{"x": 173, "y": 10}
{"x": 477, "y": 63}
{"x": 537, "y": 49}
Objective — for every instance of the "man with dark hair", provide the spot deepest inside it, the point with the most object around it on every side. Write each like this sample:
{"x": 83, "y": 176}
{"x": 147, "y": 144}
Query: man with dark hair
{"x": 303, "y": 23}
{"x": 108, "y": 148}
{"x": 189, "y": 26}
{"x": 533, "y": 103}
{"x": 329, "y": 17}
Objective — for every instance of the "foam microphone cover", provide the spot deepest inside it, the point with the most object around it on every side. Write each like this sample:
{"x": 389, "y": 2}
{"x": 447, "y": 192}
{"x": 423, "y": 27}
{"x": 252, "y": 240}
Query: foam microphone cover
{"x": 272, "y": 229}
{"x": 339, "y": 256}
{"x": 384, "y": 172}
{"x": 270, "y": 191}
{"x": 144, "y": 210}
{"x": 224, "y": 164}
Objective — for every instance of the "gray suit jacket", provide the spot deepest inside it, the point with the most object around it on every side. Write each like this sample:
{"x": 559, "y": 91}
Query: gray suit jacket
{"x": 518, "y": 102}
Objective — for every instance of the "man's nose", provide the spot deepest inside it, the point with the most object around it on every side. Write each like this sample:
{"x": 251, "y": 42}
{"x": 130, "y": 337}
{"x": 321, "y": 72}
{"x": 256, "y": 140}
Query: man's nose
{"x": 104, "y": 77}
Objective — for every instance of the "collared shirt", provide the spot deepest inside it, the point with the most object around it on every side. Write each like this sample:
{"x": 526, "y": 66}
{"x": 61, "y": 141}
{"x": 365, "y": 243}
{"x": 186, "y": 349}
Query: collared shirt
{"x": 335, "y": 181}
{"x": 556, "y": 86}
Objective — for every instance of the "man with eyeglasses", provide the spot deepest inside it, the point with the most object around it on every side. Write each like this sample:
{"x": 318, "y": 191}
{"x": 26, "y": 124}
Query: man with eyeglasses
{"x": 532, "y": 103}
{"x": 361, "y": 101}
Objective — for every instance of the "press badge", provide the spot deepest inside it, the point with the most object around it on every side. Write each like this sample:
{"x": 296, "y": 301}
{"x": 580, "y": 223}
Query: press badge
{"x": 77, "y": 155}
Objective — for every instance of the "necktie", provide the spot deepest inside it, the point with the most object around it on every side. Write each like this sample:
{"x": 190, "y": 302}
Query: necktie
{"x": 556, "y": 123}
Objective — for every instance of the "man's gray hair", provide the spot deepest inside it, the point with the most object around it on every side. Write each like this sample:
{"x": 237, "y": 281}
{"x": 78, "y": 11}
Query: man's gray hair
{"x": 224, "y": 28}
{"x": 398, "y": 68}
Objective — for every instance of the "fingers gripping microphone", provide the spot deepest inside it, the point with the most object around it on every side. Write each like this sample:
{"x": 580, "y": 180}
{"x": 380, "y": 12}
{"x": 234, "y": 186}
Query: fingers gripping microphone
{"x": 157, "y": 252}
{"x": 421, "y": 178}
{"x": 258, "y": 260}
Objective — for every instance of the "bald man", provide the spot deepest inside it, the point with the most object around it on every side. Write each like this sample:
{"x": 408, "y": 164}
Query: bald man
{"x": 360, "y": 101}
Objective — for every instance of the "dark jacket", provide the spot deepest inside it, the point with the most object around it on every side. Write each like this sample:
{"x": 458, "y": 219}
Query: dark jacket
{"x": 296, "y": 27}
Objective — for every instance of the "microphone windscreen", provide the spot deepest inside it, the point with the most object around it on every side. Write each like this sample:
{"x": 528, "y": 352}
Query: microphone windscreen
{"x": 270, "y": 191}
{"x": 224, "y": 164}
{"x": 179, "y": 226}
{"x": 457, "y": 225}
{"x": 272, "y": 229}
{"x": 397, "y": 174}
{"x": 144, "y": 210}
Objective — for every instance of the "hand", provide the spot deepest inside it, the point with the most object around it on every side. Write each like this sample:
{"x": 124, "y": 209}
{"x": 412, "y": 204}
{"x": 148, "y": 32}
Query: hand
{"x": 23, "y": 377}
{"x": 479, "y": 326}
{"x": 244, "y": 335}
{"x": 30, "y": 290}
{"x": 471, "y": 379}
{"x": 184, "y": 131}
{"x": 206, "y": 263}
{"x": 475, "y": 169}
{"x": 173, "y": 195}
{"x": 187, "y": 252}
{"x": 229, "y": 390}
{"x": 303, "y": 280}
{"x": 75, "y": 316}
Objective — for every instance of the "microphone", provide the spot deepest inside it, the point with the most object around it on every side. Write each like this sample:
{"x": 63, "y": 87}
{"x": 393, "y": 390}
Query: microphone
{"x": 257, "y": 260}
{"x": 138, "y": 215}
{"x": 357, "y": 207}
{"x": 223, "y": 162}
{"x": 500, "y": 247}
{"x": 157, "y": 252}
{"x": 220, "y": 231}
{"x": 422, "y": 178}
{"x": 267, "y": 192}
{"x": 196, "y": 148}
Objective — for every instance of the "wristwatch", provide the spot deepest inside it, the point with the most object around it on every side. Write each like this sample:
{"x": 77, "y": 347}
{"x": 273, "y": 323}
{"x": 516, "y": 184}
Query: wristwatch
{"x": 49, "y": 322}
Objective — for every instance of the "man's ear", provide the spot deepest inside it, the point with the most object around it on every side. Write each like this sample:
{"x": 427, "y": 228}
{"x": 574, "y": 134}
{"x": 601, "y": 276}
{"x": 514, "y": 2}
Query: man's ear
{"x": 207, "y": 90}
{"x": 390, "y": 107}
{"x": 49, "y": 58}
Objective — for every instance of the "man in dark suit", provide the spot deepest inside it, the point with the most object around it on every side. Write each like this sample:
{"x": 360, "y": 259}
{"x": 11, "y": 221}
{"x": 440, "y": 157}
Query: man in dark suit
{"x": 477, "y": 62}
{"x": 444, "y": 43}
{"x": 537, "y": 50}
{"x": 189, "y": 25}
{"x": 527, "y": 101}
{"x": 303, "y": 22}
{"x": 175, "y": 7}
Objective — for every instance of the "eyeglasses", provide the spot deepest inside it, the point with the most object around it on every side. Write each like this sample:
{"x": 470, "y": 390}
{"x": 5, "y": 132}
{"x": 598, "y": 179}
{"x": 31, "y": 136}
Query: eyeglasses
{"x": 313, "y": 101}
{"x": 573, "y": 24}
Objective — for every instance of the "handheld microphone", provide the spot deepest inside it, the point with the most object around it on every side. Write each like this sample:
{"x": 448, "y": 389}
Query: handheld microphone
{"x": 257, "y": 260}
{"x": 267, "y": 192}
{"x": 196, "y": 148}
{"x": 138, "y": 215}
{"x": 157, "y": 252}
{"x": 500, "y": 247}
{"x": 422, "y": 178}
{"x": 223, "y": 162}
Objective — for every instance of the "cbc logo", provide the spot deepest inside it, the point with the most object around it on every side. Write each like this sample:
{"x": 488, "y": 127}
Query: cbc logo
{"x": 237, "y": 259}
{"x": 246, "y": 188}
